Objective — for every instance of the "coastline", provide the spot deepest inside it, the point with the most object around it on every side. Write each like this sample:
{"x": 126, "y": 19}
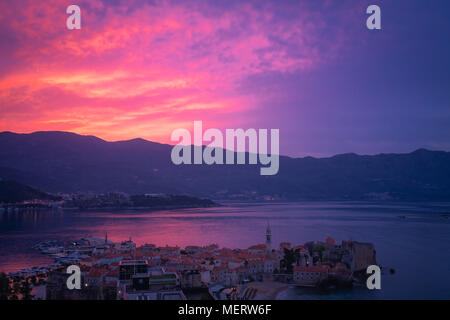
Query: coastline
{"x": 158, "y": 208}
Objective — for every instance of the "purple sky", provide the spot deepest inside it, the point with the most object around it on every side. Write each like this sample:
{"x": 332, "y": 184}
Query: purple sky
{"x": 310, "y": 68}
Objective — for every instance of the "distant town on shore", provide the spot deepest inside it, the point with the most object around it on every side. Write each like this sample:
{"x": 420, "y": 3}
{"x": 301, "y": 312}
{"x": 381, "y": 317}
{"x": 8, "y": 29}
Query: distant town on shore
{"x": 15, "y": 196}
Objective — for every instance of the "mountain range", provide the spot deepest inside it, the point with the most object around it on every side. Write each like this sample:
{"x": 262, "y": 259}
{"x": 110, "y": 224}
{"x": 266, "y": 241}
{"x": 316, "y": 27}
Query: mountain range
{"x": 67, "y": 162}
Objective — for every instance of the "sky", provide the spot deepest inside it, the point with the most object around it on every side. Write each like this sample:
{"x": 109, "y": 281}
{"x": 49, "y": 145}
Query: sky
{"x": 311, "y": 69}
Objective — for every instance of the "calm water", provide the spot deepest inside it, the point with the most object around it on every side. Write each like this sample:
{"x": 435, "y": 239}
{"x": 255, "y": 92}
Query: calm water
{"x": 417, "y": 247}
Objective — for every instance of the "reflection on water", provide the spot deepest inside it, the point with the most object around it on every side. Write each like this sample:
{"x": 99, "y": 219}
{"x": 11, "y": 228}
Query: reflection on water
{"x": 416, "y": 246}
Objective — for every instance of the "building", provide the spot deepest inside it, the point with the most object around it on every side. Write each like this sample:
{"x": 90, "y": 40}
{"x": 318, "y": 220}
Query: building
{"x": 218, "y": 274}
{"x": 330, "y": 241}
{"x": 192, "y": 249}
{"x": 128, "y": 268}
{"x": 155, "y": 284}
{"x": 168, "y": 250}
{"x": 270, "y": 264}
{"x": 256, "y": 266}
{"x": 310, "y": 276}
{"x": 257, "y": 249}
{"x": 95, "y": 276}
{"x": 191, "y": 279}
{"x": 126, "y": 246}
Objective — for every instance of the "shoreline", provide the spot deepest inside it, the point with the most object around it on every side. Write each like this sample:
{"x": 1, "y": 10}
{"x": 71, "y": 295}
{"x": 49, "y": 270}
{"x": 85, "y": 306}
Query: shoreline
{"x": 160, "y": 208}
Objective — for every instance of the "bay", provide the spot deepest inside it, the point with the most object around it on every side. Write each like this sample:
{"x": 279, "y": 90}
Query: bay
{"x": 412, "y": 238}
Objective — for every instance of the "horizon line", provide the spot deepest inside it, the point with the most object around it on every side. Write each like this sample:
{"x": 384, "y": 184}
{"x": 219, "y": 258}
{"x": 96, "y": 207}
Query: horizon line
{"x": 166, "y": 144}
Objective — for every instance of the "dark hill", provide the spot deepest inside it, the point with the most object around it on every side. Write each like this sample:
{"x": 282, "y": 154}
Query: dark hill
{"x": 67, "y": 162}
{"x": 14, "y": 192}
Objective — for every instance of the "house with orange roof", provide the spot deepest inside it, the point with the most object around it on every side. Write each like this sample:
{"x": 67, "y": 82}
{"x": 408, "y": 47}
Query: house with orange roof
{"x": 218, "y": 274}
{"x": 153, "y": 257}
{"x": 187, "y": 264}
{"x": 147, "y": 247}
{"x": 250, "y": 257}
{"x": 257, "y": 249}
{"x": 255, "y": 266}
{"x": 95, "y": 276}
{"x": 192, "y": 249}
{"x": 84, "y": 270}
{"x": 236, "y": 263}
{"x": 310, "y": 276}
{"x": 110, "y": 258}
{"x": 270, "y": 264}
{"x": 169, "y": 250}
{"x": 89, "y": 262}
{"x": 211, "y": 247}
{"x": 330, "y": 241}
{"x": 242, "y": 273}
{"x": 231, "y": 277}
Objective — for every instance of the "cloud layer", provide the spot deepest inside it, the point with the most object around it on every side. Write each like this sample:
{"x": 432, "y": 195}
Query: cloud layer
{"x": 144, "y": 68}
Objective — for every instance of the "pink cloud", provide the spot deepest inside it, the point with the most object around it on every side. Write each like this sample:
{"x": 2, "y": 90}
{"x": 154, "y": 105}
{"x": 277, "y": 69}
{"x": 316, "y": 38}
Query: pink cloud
{"x": 142, "y": 70}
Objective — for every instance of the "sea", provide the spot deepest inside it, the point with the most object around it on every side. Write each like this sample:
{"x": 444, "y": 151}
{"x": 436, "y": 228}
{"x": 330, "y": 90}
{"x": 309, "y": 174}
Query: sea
{"x": 413, "y": 239}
